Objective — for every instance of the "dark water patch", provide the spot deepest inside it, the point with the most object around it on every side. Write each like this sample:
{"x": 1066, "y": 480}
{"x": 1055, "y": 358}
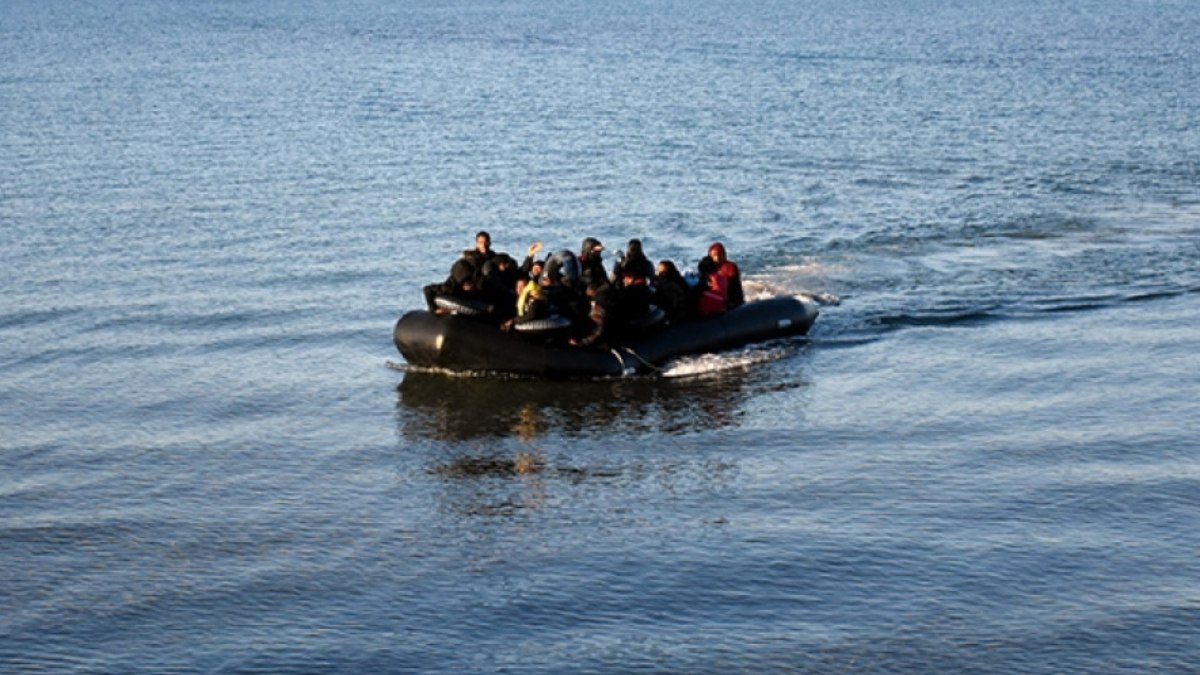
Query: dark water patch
{"x": 47, "y": 653}
{"x": 103, "y": 350}
{"x": 884, "y": 183}
{"x": 155, "y": 316}
{"x": 1128, "y": 502}
{"x": 30, "y": 456}
{"x": 434, "y": 405}
{"x": 1055, "y": 305}
{"x": 23, "y": 319}
{"x": 73, "y": 532}
{"x": 944, "y": 318}
{"x": 1150, "y": 296}
{"x": 213, "y": 329}
{"x": 103, "y": 354}
{"x": 844, "y": 341}
{"x": 1029, "y": 226}
{"x": 1075, "y": 304}
{"x": 1171, "y": 171}
{"x": 279, "y": 340}
{"x": 475, "y": 467}
{"x": 337, "y": 277}
{"x": 521, "y": 463}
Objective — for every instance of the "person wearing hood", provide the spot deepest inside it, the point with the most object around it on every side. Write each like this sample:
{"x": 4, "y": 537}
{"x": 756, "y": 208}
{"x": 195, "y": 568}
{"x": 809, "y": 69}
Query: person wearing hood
{"x": 561, "y": 286}
{"x": 728, "y": 269}
{"x": 633, "y": 267}
{"x": 633, "y": 276}
{"x": 590, "y": 262}
{"x": 499, "y": 286}
{"x": 671, "y": 291}
{"x": 713, "y": 295}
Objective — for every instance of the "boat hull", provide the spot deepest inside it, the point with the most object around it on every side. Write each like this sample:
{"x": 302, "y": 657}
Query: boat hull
{"x": 456, "y": 343}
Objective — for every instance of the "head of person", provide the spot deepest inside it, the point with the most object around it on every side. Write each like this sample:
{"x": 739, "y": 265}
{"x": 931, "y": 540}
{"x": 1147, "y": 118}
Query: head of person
{"x": 666, "y": 268}
{"x": 536, "y": 268}
{"x": 591, "y": 248}
{"x": 717, "y": 252}
{"x": 634, "y": 248}
{"x": 483, "y": 242}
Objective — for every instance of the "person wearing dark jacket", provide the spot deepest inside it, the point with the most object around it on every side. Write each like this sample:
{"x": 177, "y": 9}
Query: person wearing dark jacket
{"x": 600, "y": 316}
{"x": 480, "y": 255}
{"x": 633, "y": 275}
{"x": 499, "y": 286}
{"x": 460, "y": 284}
{"x": 632, "y": 267}
{"x": 561, "y": 288}
{"x": 590, "y": 262}
{"x": 466, "y": 275}
{"x": 671, "y": 291}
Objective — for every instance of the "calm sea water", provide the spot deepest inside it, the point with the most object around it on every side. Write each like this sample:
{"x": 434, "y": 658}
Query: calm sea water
{"x": 983, "y": 459}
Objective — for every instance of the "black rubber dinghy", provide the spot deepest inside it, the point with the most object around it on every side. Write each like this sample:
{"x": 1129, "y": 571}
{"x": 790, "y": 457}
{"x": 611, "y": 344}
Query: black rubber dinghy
{"x": 459, "y": 343}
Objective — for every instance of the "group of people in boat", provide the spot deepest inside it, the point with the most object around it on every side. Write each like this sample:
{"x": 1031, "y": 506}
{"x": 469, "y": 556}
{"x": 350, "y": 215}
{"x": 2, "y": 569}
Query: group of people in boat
{"x": 577, "y": 294}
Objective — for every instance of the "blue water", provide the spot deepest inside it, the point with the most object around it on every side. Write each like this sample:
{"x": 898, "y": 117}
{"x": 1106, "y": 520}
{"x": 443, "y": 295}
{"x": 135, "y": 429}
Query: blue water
{"x": 983, "y": 458}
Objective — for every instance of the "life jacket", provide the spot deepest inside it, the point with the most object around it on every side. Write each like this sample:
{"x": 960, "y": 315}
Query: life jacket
{"x": 714, "y": 298}
{"x": 531, "y": 293}
{"x": 729, "y": 270}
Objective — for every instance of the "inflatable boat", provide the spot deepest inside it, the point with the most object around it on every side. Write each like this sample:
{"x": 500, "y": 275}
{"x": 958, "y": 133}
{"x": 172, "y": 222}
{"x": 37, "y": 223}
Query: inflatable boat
{"x": 464, "y": 344}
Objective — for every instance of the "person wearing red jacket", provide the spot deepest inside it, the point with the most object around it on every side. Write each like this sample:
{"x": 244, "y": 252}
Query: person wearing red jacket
{"x": 713, "y": 293}
{"x": 727, "y": 269}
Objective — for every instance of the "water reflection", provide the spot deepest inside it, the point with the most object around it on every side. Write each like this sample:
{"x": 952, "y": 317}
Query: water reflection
{"x": 444, "y": 407}
{"x": 498, "y": 443}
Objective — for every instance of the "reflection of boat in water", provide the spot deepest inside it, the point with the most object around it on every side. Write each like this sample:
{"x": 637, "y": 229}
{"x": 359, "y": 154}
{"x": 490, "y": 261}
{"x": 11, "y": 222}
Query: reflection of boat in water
{"x": 432, "y": 405}
{"x": 499, "y": 446}
{"x": 457, "y": 343}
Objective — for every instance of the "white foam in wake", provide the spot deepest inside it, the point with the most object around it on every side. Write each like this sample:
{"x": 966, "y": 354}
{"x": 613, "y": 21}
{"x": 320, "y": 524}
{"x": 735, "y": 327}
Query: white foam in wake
{"x": 715, "y": 364}
{"x": 760, "y": 288}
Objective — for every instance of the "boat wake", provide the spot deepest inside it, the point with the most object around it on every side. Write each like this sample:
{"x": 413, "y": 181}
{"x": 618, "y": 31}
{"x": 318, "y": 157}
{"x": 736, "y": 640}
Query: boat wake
{"x": 715, "y": 365}
{"x": 761, "y": 288}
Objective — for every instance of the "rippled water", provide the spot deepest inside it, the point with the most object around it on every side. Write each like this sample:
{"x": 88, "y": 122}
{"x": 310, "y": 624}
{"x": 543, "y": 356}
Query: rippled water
{"x": 982, "y": 459}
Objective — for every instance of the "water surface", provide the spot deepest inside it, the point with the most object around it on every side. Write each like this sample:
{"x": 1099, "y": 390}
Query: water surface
{"x": 980, "y": 460}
